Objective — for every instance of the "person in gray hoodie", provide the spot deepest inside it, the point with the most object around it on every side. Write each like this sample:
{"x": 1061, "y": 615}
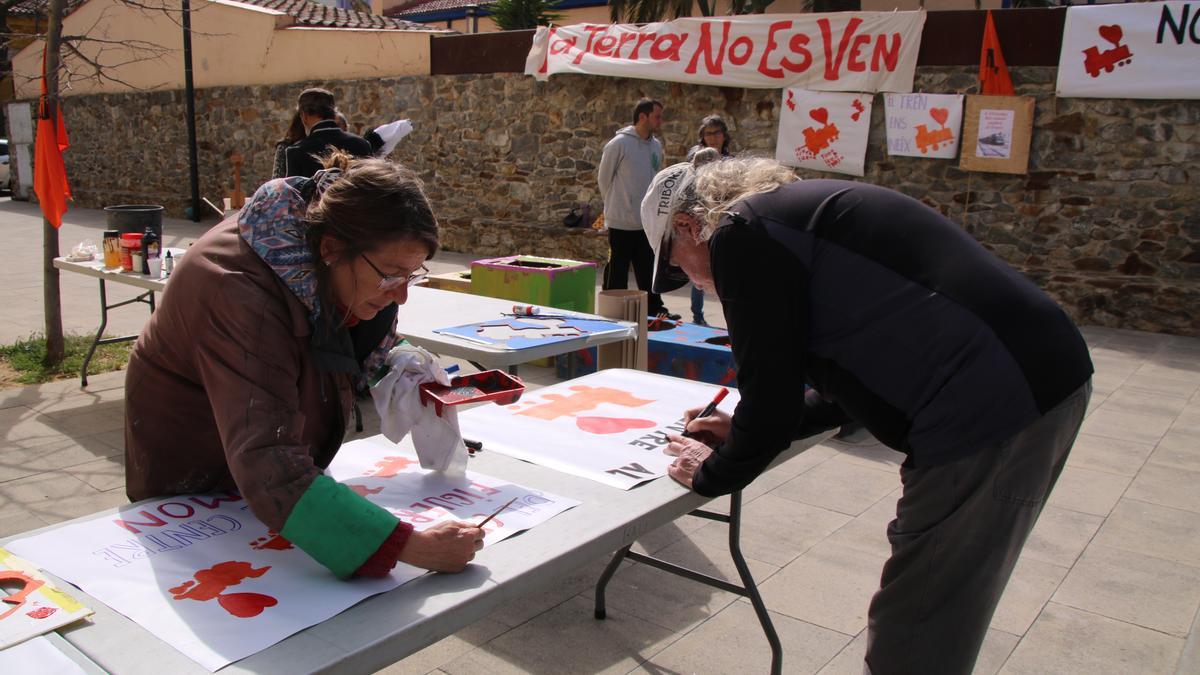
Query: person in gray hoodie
{"x": 628, "y": 164}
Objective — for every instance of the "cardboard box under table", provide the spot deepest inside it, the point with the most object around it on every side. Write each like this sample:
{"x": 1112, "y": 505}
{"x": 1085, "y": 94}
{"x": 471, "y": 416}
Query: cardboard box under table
{"x": 458, "y": 281}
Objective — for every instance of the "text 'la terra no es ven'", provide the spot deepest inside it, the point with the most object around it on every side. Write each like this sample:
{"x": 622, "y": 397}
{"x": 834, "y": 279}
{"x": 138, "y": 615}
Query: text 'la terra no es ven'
{"x": 784, "y": 50}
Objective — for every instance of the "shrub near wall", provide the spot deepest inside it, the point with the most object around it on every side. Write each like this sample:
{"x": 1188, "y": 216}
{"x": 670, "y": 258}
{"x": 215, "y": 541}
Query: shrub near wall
{"x": 1107, "y": 220}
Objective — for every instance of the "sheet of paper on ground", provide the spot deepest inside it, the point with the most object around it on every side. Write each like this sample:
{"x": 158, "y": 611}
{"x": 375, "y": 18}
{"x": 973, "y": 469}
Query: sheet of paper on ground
{"x": 205, "y": 576}
{"x": 610, "y": 426}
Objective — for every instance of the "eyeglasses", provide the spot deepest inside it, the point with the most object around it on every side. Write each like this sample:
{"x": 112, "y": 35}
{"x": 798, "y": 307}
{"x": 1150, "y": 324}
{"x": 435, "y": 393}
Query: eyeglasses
{"x": 389, "y": 283}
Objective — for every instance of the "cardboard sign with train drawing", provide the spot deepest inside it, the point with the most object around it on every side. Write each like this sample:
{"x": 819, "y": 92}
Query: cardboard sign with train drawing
{"x": 825, "y": 131}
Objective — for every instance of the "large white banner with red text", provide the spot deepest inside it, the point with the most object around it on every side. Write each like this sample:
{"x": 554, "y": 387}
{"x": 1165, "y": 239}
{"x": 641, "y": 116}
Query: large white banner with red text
{"x": 1139, "y": 50}
{"x": 844, "y": 51}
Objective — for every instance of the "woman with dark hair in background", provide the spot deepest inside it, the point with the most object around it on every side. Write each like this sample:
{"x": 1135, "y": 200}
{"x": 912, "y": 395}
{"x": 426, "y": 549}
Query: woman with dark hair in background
{"x": 243, "y": 379}
{"x": 713, "y": 133}
{"x": 295, "y": 132}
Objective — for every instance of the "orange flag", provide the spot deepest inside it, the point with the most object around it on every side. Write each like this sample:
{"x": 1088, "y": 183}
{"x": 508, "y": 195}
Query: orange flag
{"x": 49, "y": 172}
{"x": 993, "y": 73}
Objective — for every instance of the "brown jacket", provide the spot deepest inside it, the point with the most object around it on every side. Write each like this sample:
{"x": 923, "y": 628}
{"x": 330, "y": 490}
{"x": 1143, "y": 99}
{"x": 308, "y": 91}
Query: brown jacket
{"x": 223, "y": 390}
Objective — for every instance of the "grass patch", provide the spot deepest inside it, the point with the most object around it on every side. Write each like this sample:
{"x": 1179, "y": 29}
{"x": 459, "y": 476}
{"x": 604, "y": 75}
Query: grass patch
{"x": 23, "y": 361}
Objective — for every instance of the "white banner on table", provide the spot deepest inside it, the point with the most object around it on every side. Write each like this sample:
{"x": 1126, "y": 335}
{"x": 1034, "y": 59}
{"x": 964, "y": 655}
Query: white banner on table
{"x": 208, "y": 578}
{"x": 923, "y": 125}
{"x": 610, "y": 426}
{"x": 1137, "y": 50}
{"x": 842, "y": 51}
{"x": 826, "y": 131}
{"x": 391, "y": 477}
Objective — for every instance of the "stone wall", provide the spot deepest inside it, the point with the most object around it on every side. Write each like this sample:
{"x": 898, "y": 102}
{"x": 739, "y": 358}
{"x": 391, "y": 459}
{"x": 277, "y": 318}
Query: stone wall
{"x": 1107, "y": 219}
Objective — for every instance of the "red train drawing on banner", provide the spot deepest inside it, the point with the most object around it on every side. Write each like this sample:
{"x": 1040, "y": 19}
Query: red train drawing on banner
{"x": 931, "y": 140}
{"x": 1095, "y": 60}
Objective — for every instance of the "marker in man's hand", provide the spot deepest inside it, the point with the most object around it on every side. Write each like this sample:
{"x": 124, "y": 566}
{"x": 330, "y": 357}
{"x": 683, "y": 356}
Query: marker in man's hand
{"x": 708, "y": 409}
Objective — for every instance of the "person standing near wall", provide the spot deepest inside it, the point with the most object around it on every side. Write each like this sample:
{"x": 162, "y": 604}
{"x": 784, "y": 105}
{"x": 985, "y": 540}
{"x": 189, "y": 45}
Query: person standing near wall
{"x": 318, "y": 113}
{"x": 713, "y": 133}
{"x": 627, "y": 166}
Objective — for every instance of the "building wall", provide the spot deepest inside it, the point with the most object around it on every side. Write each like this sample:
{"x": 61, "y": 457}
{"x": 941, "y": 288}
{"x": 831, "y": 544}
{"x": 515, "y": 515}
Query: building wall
{"x": 1107, "y": 219}
{"x": 232, "y": 43}
{"x": 600, "y": 14}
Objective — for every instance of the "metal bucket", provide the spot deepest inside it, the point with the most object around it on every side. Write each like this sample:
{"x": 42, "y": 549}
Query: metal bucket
{"x": 135, "y": 218}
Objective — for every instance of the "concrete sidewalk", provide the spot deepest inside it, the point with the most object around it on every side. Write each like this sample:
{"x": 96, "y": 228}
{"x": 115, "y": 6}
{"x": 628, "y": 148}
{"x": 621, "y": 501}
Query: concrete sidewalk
{"x": 1109, "y": 582}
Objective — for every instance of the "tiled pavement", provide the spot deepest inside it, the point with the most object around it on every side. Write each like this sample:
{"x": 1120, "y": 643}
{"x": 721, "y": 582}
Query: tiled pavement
{"x": 1109, "y": 582}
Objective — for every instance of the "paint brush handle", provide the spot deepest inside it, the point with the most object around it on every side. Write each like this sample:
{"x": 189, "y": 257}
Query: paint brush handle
{"x": 709, "y": 409}
{"x": 496, "y": 512}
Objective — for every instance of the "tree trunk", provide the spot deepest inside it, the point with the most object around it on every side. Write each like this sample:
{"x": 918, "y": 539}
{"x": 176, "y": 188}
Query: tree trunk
{"x": 50, "y": 284}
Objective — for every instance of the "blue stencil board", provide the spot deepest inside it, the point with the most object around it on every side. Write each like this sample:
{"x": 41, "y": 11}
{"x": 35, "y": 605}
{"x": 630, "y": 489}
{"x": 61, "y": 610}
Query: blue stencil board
{"x": 528, "y": 331}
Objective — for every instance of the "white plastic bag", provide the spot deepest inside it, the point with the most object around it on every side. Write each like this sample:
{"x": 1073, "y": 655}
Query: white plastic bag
{"x": 397, "y": 398}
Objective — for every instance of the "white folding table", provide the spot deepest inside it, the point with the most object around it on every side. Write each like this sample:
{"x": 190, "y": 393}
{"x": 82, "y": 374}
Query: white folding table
{"x": 429, "y": 309}
{"x": 96, "y": 268}
{"x": 390, "y": 626}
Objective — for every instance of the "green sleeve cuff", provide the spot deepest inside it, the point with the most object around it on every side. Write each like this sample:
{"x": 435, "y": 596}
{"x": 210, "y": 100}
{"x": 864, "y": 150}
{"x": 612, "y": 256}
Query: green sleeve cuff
{"x": 337, "y": 527}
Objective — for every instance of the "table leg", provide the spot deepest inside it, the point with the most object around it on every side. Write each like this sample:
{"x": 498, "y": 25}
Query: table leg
{"x": 602, "y": 583}
{"x": 749, "y": 589}
{"x": 760, "y": 607}
{"x": 147, "y": 298}
{"x": 99, "y": 333}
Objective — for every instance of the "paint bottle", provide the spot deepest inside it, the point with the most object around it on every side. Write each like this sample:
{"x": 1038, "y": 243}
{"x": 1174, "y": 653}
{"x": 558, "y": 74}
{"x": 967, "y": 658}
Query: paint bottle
{"x": 151, "y": 252}
{"x": 112, "y": 249}
{"x": 526, "y": 310}
{"x": 130, "y": 242}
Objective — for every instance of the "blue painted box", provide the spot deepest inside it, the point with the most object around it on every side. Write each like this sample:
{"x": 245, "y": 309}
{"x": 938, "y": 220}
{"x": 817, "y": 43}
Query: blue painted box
{"x": 699, "y": 353}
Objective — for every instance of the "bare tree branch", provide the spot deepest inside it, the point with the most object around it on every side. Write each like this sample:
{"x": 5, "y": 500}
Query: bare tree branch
{"x": 100, "y": 71}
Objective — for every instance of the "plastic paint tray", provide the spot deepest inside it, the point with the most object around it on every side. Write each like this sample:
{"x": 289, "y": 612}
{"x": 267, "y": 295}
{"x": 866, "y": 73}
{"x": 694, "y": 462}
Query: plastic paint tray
{"x": 490, "y": 385}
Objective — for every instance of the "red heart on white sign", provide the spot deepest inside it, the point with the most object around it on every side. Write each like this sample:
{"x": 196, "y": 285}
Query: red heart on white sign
{"x": 1112, "y": 33}
{"x": 940, "y": 115}
{"x": 821, "y": 115}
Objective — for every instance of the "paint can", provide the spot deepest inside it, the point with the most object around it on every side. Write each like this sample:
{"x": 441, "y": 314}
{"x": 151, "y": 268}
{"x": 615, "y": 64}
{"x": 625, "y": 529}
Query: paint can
{"x": 526, "y": 310}
{"x": 112, "y": 249}
{"x": 130, "y": 242}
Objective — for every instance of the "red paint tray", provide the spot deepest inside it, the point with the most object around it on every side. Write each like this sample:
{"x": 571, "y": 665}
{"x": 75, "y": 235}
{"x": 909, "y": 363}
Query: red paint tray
{"x": 490, "y": 385}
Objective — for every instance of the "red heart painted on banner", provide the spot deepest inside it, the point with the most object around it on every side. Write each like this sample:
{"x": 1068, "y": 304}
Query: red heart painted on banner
{"x": 1112, "y": 33}
{"x": 940, "y": 115}
{"x": 246, "y": 605}
{"x": 821, "y": 115}
{"x": 611, "y": 425}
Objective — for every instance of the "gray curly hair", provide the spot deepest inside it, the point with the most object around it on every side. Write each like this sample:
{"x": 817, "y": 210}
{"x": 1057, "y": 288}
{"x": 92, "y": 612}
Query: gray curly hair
{"x": 721, "y": 183}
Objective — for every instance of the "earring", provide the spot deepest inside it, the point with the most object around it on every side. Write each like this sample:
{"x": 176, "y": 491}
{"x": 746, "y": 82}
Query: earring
{"x": 328, "y": 263}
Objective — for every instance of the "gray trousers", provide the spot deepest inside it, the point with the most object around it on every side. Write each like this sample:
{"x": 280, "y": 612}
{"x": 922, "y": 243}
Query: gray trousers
{"x": 958, "y": 531}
